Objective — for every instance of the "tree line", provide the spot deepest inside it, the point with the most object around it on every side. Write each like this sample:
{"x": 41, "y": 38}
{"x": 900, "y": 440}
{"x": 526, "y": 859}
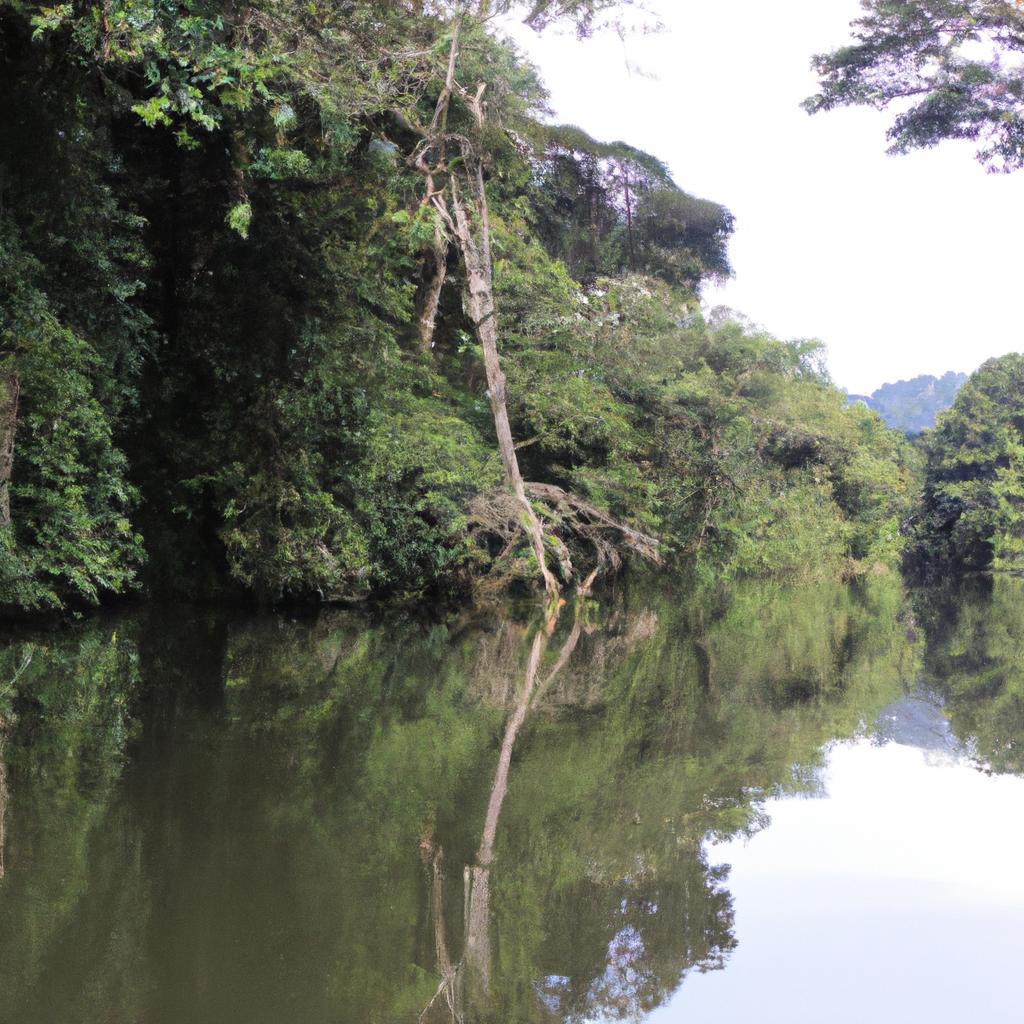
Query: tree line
{"x": 310, "y": 302}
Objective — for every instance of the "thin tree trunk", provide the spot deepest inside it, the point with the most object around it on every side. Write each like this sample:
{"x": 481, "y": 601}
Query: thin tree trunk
{"x": 10, "y": 387}
{"x": 482, "y": 311}
{"x": 629, "y": 216}
{"x": 475, "y": 250}
{"x": 428, "y": 297}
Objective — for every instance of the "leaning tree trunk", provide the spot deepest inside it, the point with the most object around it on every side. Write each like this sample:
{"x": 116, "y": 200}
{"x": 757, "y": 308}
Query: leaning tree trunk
{"x": 483, "y": 313}
{"x": 471, "y": 233}
{"x": 10, "y": 387}
{"x": 460, "y": 205}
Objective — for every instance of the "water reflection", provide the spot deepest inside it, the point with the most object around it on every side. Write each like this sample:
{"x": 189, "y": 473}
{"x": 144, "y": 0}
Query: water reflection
{"x": 899, "y": 897}
{"x": 224, "y": 820}
{"x": 974, "y": 662}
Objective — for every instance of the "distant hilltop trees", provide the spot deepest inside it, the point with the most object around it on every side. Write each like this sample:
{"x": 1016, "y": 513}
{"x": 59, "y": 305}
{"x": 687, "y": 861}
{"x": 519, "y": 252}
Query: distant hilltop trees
{"x": 913, "y": 405}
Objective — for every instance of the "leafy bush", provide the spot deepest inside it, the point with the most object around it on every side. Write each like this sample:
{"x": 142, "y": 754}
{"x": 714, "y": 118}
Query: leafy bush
{"x": 71, "y": 537}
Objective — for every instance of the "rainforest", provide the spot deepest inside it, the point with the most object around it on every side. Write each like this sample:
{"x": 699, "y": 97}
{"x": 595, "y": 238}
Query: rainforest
{"x": 260, "y": 274}
{"x": 421, "y": 602}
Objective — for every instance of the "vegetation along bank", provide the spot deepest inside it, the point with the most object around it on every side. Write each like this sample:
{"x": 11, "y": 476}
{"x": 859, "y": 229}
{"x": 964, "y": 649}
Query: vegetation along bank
{"x": 309, "y": 301}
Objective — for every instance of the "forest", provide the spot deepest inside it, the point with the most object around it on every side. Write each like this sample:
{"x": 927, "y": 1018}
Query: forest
{"x": 254, "y": 308}
{"x": 419, "y": 600}
{"x": 312, "y": 302}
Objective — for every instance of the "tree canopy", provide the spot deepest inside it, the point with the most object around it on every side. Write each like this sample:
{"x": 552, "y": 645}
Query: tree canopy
{"x": 972, "y": 515}
{"x": 951, "y": 69}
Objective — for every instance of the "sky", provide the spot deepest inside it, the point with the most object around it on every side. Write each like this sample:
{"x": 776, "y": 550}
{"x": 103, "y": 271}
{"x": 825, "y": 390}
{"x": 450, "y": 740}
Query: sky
{"x": 902, "y": 265}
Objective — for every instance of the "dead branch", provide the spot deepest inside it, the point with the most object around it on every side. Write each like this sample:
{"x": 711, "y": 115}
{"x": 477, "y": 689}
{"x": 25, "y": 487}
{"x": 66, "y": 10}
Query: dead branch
{"x": 588, "y": 520}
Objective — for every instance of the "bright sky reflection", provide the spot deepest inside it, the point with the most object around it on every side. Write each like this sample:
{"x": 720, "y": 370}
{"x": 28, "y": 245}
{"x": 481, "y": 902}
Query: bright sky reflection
{"x": 899, "y": 896}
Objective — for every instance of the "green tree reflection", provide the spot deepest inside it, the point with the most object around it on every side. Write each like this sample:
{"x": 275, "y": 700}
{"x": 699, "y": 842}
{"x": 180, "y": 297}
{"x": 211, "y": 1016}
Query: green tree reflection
{"x": 64, "y": 707}
{"x": 308, "y": 828}
{"x": 975, "y": 639}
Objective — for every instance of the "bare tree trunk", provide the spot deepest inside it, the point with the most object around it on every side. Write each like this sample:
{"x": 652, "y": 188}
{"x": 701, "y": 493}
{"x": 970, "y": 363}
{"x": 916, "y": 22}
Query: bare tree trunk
{"x": 10, "y": 387}
{"x": 473, "y": 238}
{"x": 482, "y": 311}
{"x": 428, "y": 296}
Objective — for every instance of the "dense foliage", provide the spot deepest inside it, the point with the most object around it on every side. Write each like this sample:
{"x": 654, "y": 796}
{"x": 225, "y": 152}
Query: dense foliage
{"x": 913, "y": 405}
{"x": 952, "y": 68}
{"x": 972, "y": 515}
{"x": 216, "y": 247}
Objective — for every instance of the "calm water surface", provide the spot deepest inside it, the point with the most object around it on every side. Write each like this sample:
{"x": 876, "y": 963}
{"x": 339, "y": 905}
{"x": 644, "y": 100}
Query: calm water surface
{"x": 760, "y": 803}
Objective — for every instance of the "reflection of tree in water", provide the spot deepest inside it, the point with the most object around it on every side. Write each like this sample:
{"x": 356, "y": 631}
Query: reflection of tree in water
{"x": 314, "y": 792}
{"x": 473, "y": 972}
{"x": 64, "y": 703}
{"x": 602, "y": 896}
{"x": 975, "y": 634}
{"x": 661, "y": 929}
{"x": 12, "y": 668}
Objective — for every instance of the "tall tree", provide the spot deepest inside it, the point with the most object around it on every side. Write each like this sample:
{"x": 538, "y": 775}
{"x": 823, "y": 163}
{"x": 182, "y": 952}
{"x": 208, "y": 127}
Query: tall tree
{"x": 461, "y": 207}
{"x": 952, "y": 67}
{"x": 608, "y": 208}
{"x": 454, "y": 161}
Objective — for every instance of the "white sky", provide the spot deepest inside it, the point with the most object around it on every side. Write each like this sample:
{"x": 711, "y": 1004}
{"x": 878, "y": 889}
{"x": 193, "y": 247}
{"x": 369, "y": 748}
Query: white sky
{"x": 901, "y": 265}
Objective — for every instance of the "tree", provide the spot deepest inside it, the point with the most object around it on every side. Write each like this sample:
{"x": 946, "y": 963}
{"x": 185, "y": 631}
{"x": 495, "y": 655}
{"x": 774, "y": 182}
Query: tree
{"x": 951, "y": 67}
{"x": 454, "y": 160}
{"x": 292, "y": 271}
{"x": 972, "y": 516}
{"x": 975, "y": 631}
{"x": 609, "y": 208}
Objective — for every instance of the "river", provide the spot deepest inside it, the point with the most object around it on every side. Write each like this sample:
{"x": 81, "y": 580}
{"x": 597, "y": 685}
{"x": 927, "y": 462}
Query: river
{"x": 709, "y": 804}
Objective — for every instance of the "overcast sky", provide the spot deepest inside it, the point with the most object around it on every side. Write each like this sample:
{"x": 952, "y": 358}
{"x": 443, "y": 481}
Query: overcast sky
{"x": 901, "y": 265}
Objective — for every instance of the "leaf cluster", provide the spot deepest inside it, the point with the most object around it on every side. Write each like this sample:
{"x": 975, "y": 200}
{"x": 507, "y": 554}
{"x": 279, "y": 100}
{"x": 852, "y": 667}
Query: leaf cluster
{"x": 951, "y": 69}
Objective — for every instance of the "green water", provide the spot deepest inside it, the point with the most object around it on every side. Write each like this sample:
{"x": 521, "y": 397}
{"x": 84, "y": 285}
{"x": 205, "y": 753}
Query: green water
{"x": 213, "y": 819}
